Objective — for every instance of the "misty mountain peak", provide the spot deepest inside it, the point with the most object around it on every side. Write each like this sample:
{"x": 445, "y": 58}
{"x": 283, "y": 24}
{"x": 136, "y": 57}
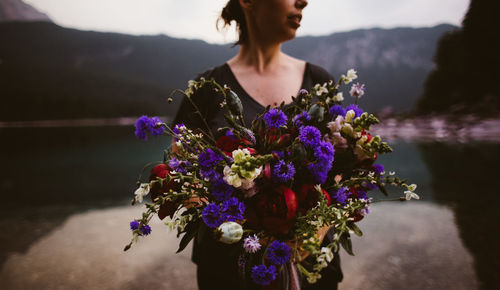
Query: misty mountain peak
{"x": 17, "y": 10}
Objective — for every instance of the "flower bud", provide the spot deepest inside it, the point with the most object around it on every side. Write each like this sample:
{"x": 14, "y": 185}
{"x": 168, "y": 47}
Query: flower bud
{"x": 231, "y": 232}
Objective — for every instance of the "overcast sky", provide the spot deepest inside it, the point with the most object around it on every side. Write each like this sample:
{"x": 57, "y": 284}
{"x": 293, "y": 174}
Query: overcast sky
{"x": 196, "y": 18}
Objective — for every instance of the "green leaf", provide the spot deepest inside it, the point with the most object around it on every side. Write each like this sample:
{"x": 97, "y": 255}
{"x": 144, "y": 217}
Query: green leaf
{"x": 382, "y": 188}
{"x": 345, "y": 241}
{"x": 316, "y": 112}
{"x": 355, "y": 229}
{"x": 191, "y": 230}
{"x": 234, "y": 103}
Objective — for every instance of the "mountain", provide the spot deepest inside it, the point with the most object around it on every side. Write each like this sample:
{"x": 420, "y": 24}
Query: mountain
{"x": 17, "y": 10}
{"x": 51, "y": 72}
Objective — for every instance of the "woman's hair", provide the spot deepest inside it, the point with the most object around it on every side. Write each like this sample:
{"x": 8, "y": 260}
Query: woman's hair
{"x": 233, "y": 12}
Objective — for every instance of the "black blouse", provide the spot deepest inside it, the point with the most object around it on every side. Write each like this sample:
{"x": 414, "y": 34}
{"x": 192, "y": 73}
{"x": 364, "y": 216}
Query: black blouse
{"x": 209, "y": 103}
{"x": 217, "y": 262}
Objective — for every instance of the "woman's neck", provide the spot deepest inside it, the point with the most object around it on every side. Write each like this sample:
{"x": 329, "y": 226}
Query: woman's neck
{"x": 261, "y": 57}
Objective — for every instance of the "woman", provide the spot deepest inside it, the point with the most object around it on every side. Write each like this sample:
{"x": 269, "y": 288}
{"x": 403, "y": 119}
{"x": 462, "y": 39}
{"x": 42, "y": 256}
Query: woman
{"x": 261, "y": 75}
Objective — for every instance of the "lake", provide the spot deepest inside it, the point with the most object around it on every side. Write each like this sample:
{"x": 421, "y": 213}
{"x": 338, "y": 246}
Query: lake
{"x": 65, "y": 211}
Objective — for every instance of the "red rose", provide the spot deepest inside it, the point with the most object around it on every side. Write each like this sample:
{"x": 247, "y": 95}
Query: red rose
{"x": 309, "y": 197}
{"x": 227, "y": 144}
{"x": 168, "y": 207}
{"x": 274, "y": 210}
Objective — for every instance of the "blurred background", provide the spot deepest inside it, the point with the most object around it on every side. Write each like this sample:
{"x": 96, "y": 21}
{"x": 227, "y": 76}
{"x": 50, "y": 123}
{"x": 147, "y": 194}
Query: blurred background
{"x": 74, "y": 76}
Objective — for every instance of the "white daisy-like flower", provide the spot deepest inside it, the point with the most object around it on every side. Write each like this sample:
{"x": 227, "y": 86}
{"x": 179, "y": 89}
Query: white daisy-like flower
{"x": 142, "y": 191}
{"x": 251, "y": 244}
{"x": 339, "y": 97}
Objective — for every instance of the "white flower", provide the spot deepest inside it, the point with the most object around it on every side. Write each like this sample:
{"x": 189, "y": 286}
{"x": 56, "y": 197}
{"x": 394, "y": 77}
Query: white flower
{"x": 231, "y": 177}
{"x": 231, "y": 232}
{"x": 412, "y": 187}
{"x": 239, "y": 154}
{"x": 142, "y": 191}
{"x": 251, "y": 244}
{"x": 351, "y": 75}
{"x": 349, "y": 116}
{"x": 410, "y": 195}
{"x": 328, "y": 253}
{"x": 339, "y": 97}
{"x": 357, "y": 90}
{"x": 336, "y": 125}
{"x": 320, "y": 89}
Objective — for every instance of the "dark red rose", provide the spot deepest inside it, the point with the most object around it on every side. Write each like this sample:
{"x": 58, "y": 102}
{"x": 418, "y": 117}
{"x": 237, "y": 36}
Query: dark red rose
{"x": 273, "y": 210}
{"x": 168, "y": 207}
{"x": 309, "y": 197}
{"x": 227, "y": 144}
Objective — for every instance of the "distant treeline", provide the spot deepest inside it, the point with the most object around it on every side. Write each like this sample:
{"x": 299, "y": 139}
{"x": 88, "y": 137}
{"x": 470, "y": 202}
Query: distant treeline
{"x": 467, "y": 76}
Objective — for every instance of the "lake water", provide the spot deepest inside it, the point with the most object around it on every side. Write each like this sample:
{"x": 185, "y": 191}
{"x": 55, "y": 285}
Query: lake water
{"x": 65, "y": 211}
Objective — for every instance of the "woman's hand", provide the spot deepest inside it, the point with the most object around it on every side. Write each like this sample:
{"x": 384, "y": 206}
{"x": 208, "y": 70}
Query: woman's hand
{"x": 304, "y": 254}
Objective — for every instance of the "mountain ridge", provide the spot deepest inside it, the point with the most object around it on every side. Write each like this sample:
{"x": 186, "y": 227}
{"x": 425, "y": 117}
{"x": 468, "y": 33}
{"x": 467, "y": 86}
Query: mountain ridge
{"x": 51, "y": 66}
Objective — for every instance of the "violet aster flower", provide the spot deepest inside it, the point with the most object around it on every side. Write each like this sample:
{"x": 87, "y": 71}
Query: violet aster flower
{"x": 283, "y": 171}
{"x": 209, "y": 159}
{"x": 157, "y": 129}
{"x": 319, "y": 171}
{"x": 212, "y": 216}
{"x": 221, "y": 190}
{"x": 251, "y": 244}
{"x": 337, "y": 110}
{"x": 142, "y": 126}
{"x": 324, "y": 152}
{"x": 233, "y": 209}
{"x": 262, "y": 275}
{"x": 303, "y": 92}
{"x": 340, "y": 195}
{"x": 144, "y": 230}
{"x": 357, "y": 110}
{"x": 278, "y": 253}
{"x": 357, "y": 90}
{"x": 179, "y": 165}
{"x": 310, "y": 136}
{"x": 275, "y": 118}
{"x": 379, "y": 168}
{"x": 145, "y": 125}
{"x": 300, "y": 119}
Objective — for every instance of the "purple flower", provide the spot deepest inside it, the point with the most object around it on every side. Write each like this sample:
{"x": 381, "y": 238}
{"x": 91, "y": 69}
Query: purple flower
{"x": 357, "y": 110}
{"x": 209, "y": 159}
{"x": 178, "y": 129}
{"x": 262, "y": 275}
{"x": 360, "y": 194}
{"x": 221, "y": 190}
{"x": 144, "y": 229}
{"x": 283, "y": 171}
{"x": 210, "y": 173}
{"x": 145, "y": 125}
{"x": 233, "y": 209}
{"x": 310, "y": 136}
{"x": 324, "y": 153}
{"x": 251, "y": 244}
{"x": 337, "y": 110}
{"x": 179, "y": 165}
{"x": 368, "y": 185}
{"x": 357, "y": 90}
{"x": 212, "y": 216}
{"x": 300, "y": 119}
{"x": 319, "y": 171}
{"x": 278, "y": 253}
{"x": 379, "y": 168}
{"x": 275, "y": 118}
{"x": 303, "y": 92}
{"x": 340, "y": 195}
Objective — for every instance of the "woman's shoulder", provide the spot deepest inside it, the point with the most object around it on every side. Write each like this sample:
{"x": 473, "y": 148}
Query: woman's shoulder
{"x": 318, "y": 74}
{"x": 216, "y": 72}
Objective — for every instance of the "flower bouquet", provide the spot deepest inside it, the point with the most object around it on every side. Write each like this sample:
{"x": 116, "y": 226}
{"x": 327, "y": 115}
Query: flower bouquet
{"x": 274, "y": 186}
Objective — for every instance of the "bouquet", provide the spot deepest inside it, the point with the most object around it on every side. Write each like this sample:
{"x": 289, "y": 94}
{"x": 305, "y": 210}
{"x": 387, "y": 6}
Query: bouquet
{"x": 274, "y": 186}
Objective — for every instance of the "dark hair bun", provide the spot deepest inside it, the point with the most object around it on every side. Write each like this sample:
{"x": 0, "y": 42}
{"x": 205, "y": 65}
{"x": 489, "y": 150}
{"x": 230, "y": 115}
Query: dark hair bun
{"x": 233, "y": 12}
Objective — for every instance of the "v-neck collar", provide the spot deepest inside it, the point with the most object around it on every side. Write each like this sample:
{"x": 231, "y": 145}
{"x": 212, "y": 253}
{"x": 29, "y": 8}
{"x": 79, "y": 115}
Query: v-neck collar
{"x": 241, "y": 89}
